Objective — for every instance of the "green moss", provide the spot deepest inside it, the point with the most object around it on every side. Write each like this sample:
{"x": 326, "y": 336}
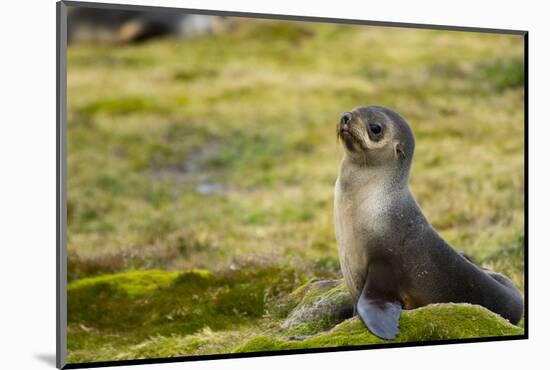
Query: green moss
{"x": 201, "y": 312}
{"x": 133, "y": 284}
{"x": 121, "y": 106}
{"x": 505, "y": 73}
{"x": 172, "y": 303}
{"x": 434, "y": 322}
{"x": 195, "y": 277}
{"x": 315, "y": 294}
{"x": 90, "y": 346}
{"x": 191, "y": 74}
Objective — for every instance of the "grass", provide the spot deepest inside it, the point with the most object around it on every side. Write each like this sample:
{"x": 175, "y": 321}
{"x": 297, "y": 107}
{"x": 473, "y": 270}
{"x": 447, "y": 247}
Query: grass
{"x": 219, "y": 152}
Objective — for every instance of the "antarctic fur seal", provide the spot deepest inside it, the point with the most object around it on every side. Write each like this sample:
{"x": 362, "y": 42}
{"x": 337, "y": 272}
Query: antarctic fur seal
{"x": 390, "y": 255}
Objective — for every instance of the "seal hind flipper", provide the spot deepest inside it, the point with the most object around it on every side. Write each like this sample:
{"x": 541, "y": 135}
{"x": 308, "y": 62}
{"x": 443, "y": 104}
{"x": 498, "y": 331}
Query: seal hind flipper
{"x": 379, "y": 316}
{"x": 378, "y": 306}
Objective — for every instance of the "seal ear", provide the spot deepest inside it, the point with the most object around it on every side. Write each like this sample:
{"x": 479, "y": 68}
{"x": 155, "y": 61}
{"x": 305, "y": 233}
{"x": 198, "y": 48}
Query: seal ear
{"x": 399, "y": 151}
{"x": 378, "y": 306}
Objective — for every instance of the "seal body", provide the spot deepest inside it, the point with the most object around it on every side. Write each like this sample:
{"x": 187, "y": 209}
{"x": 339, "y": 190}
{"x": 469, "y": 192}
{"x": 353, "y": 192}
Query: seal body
{"x": 391, "y": 257}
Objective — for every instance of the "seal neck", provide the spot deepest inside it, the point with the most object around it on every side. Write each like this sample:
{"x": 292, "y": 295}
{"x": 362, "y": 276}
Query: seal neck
{"x": 392, "y": 177}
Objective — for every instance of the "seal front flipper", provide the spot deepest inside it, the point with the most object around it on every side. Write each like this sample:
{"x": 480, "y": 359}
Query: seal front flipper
{"x": 378, "y": 306}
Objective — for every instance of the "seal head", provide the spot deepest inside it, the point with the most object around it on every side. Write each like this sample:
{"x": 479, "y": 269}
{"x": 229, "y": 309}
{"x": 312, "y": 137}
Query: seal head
{"x": 375, "y": 135}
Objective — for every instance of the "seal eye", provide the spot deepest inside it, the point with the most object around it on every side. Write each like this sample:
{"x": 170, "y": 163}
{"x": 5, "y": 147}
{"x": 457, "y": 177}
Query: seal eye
{"x": 375, "y": 128}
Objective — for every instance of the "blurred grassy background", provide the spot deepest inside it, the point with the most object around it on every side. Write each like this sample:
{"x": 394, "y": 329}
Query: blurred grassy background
{"x": 219, "y": 153}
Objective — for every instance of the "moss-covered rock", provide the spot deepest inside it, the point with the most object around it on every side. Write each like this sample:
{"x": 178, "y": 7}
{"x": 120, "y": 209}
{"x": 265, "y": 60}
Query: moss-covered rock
{"x": 250, "y": 308}
{"x": 324, "y": 303}
{"x": 433, "y": 322}
{"x": 282, "y": 307}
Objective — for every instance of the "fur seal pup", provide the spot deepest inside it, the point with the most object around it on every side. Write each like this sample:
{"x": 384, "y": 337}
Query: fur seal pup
{"x": 391, "y": 257}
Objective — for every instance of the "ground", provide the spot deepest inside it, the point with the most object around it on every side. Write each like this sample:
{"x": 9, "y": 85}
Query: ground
{"x": 201, "y": 172}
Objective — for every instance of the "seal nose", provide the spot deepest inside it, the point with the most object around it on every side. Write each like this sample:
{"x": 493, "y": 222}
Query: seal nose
{"x": 346, "y": 118}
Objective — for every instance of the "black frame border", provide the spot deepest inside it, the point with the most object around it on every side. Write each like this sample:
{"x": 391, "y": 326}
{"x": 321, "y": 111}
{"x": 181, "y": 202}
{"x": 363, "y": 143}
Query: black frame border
{"x": 61, "y": 181}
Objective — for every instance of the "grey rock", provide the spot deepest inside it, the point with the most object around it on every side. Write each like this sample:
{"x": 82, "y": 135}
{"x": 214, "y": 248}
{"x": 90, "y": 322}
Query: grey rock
{"x": 326, "y": 303}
